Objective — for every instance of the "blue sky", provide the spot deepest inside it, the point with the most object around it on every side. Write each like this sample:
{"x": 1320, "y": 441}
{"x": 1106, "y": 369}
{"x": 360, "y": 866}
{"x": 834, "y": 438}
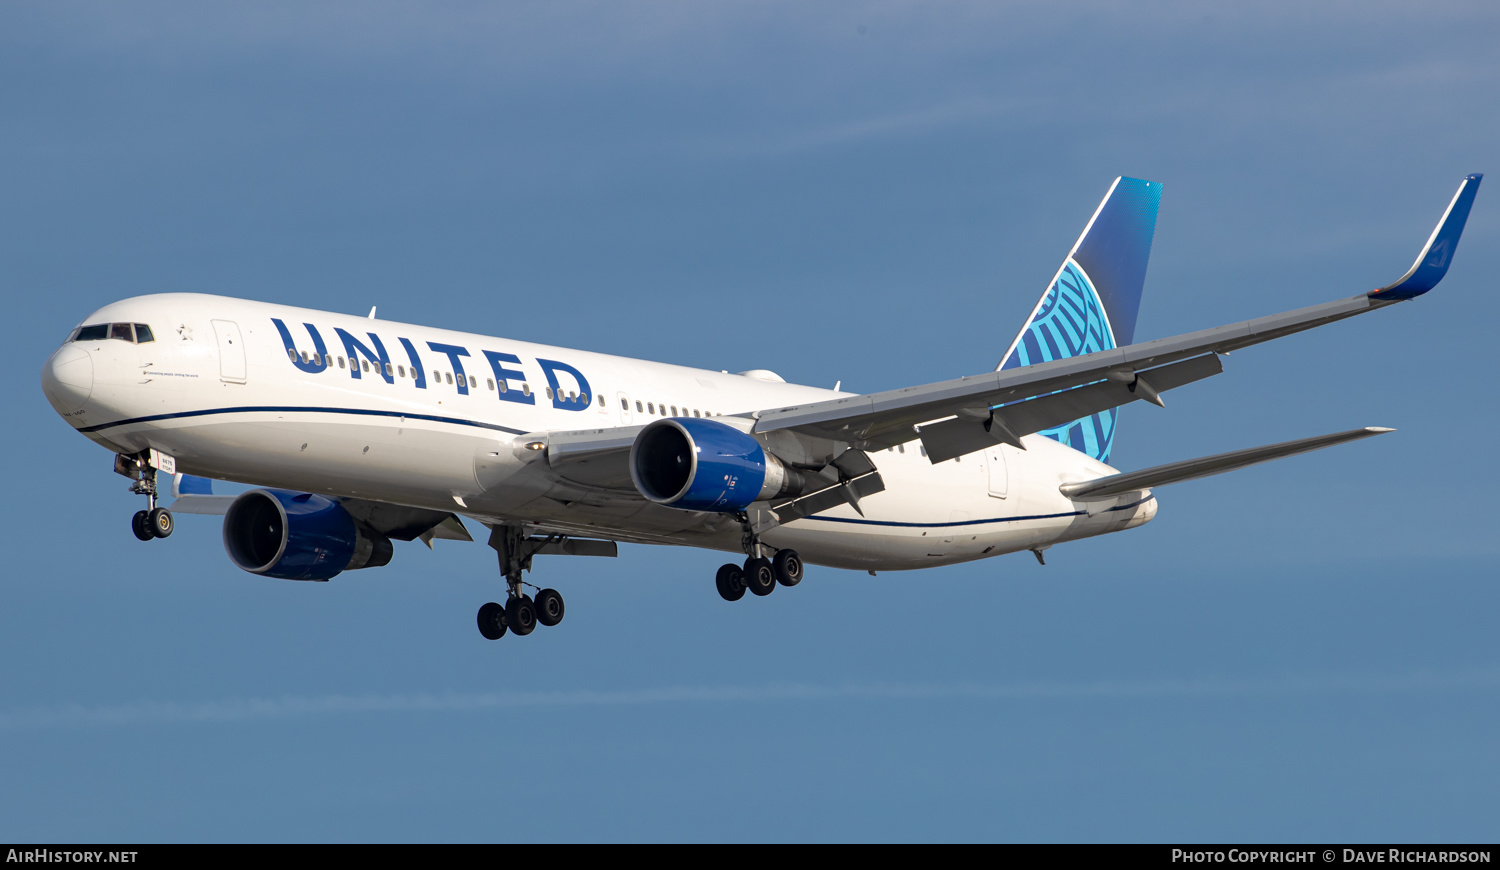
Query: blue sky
{"x": 874, "y": 193}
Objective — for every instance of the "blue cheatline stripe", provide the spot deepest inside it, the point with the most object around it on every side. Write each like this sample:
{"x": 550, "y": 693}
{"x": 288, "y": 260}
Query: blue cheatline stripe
{"x": 1124, "y": 507}
{"x": 292, "y": 409}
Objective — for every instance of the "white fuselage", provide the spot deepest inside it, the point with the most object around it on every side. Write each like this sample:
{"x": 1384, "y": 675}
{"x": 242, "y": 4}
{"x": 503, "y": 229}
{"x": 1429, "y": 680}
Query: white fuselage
{"x": 217, "y": 389}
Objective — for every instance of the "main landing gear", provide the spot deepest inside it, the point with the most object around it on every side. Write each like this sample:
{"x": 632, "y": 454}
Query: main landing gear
{"x": 759, "y": 574}
{"x": 153, "y": 522}
{"x": 521, "y": 614}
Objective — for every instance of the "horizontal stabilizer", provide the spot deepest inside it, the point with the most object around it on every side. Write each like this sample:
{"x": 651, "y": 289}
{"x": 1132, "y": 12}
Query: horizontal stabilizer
{"x": 1191, "y": 469}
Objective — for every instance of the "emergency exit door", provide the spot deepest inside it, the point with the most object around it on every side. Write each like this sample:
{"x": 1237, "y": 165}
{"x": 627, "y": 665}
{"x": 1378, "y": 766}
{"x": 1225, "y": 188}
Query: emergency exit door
{"x": 231, "y": 351}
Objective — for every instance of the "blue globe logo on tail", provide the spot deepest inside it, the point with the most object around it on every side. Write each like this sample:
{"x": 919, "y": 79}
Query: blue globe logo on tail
{"x": 1092, "y": 303}
{"x": 1071, "y": 322}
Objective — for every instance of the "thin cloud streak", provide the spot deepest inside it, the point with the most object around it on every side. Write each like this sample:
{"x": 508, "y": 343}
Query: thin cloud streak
{"x": 291, "y": 706}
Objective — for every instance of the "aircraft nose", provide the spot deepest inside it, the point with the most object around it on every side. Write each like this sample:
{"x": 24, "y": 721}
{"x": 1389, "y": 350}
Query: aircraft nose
{"x": 68, "y": 379}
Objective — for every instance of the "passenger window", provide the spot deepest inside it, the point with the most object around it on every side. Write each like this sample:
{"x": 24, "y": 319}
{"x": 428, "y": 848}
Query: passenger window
{"x": 489, "y": 383}
{"x": 121, "y": 331}
{"x": 437, "y": 376}
{"x": 624, "y": 404}
{"x": 364, "y": 364}
{"x": 638, "y": 405}
{"x": 401, "y": 371}
{"x": 549, "y": 392}
{"x": 450, "y": 376}
{"x": 601, "y": 401}
{"x": 922, "y": 448}
{"x": 143, "y": 333}
{"x": 504, "y": 388}
{"x": 650, "y": 408}
{"x": 341, "y": 362}
{"x": 94, "y": 333}
{"x": 674, "y": 410}
{"x": 291, "y": 353}
{"x": 389, "y": 370}
{"x": 525, "y": 389}
{"x": 317, "y": 360}
{"x": 900, "y": 448}
{"x": 473, "y": 382}
{"x": 304, "y": 356}
{"x": 572, "y": 396}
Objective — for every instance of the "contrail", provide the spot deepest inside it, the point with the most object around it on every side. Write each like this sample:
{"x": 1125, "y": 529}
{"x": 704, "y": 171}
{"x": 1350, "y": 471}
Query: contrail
{"x": 294, "y": 706}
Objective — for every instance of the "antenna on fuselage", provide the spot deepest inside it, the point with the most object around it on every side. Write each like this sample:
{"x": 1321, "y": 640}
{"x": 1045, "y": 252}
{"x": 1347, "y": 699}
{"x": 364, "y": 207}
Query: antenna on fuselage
{"x": 372, "y": 312}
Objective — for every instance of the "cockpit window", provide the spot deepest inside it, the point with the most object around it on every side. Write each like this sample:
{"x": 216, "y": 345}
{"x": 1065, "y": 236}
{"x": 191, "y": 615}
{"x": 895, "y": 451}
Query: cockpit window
{"x": 135, "y": 333}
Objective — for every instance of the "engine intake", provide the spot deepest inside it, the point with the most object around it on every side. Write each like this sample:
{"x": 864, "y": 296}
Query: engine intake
{"x": 703, "y": 465}
{"x": 299, "y": 536}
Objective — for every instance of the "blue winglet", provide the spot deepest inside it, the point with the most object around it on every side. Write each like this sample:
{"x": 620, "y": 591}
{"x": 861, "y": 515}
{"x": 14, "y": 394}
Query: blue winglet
{"x": 1432, "y": 263}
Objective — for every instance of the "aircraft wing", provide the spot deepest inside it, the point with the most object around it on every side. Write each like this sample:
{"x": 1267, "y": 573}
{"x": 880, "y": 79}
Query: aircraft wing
{"x": 1112, "y": 485}
{"x": 1000, "y": 406}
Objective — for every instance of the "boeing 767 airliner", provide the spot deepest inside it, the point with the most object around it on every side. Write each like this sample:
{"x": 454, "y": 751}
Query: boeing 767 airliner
{"x": 361, "y": 431}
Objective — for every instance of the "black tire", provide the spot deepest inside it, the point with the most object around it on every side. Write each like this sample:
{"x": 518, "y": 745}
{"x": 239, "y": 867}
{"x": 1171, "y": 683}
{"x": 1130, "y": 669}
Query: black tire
{"x": 520, "y": 615}
{"x": 731, "y": 582}
{"x": 141, "y": 525}
{"x": 788, "y": 567}
{"x": 759, "y": 576}
{"x": 492, "y": 621}
{"x": 549, "y": 607}
{"x": 160, "y": 522}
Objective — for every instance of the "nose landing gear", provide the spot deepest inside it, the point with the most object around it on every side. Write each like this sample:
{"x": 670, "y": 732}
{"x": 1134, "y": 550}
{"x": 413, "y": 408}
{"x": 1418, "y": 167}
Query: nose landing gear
{"x": 154, "y": 522}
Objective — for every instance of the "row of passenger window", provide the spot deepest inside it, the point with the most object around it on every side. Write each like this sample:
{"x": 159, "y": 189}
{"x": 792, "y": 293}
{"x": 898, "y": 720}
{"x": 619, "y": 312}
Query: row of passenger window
{"x": 661, "y": 410}
{"x": 135, "y": 333}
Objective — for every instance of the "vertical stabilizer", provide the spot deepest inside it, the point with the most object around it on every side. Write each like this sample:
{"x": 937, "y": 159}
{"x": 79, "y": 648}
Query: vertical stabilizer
{"x": 1093, "y": 299}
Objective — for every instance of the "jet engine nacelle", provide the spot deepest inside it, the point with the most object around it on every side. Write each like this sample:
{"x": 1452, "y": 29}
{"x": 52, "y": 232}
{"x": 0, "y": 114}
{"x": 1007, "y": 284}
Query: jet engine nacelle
{"x": 703, "y": 465}
{"x": 299, "y": 536}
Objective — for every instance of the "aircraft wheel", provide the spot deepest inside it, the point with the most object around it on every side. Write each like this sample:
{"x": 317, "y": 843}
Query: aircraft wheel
{"x": 520, "y": 615}
{"x": 141, "y": 525}
{"x": 492, "y": 621}
{"x": 788, "y": 567}
{"x": 731, "y": 582}
{"x": 759, "y": 576}
{"x": 549, "y": 607}
{"x": 160, "y": 522}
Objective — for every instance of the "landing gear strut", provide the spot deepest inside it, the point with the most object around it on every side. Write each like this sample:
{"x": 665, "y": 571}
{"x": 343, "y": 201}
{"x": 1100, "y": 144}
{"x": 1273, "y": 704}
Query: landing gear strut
{"x": 154, "y": 522}
{"x": 521, "y": 614}
{"x": 759, "y": 574}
